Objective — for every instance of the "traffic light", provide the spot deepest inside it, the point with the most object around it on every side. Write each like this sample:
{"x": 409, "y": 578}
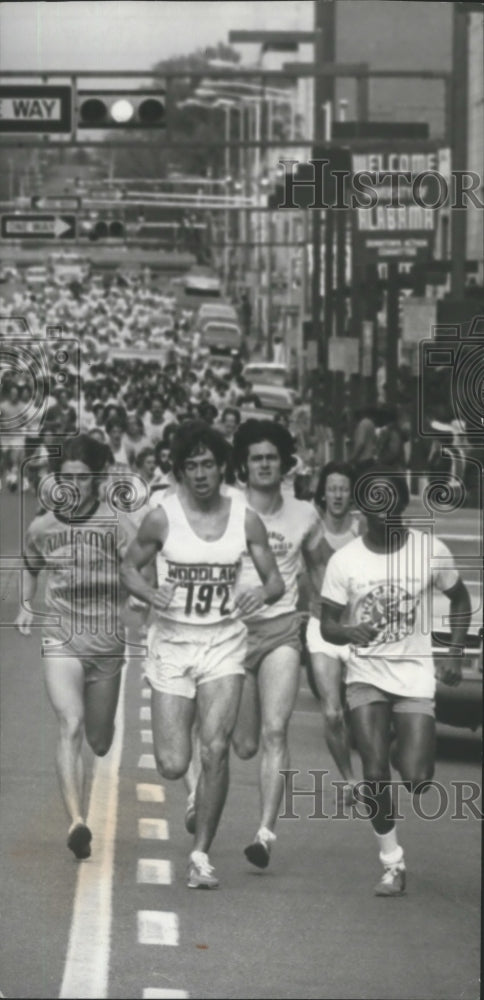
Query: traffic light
{"x": 104, "y": 229}
{"x": 121, "y": 109}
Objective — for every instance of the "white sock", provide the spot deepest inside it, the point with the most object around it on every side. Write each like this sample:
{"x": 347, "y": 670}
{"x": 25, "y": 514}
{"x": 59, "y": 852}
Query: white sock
{"x": 265, "y": 834}
{"x": 390, "y": 850}
{"x": 198, "y": 856}
{"x": 77, "y": 822}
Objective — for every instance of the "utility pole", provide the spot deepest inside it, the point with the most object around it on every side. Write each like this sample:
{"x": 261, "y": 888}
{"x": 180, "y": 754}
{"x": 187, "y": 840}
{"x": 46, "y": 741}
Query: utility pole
{"x": 324, "y": 52}
{"x": 324, "y": 87}
{"x": 459, "y": 84}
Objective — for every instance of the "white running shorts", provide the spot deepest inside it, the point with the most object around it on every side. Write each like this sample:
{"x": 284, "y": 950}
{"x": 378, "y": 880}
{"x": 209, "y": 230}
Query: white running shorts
{"x": 316, "y": 643}
{"x": 180, "y": 657}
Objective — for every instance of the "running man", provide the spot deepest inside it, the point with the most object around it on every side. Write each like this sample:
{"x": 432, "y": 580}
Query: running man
{"x": 382, "y": 584}
{"x": 197, "y": 643}
{"x": 78, "y": 541}
{"x": 263, "y": 454}
{"x": 333, "y": 497}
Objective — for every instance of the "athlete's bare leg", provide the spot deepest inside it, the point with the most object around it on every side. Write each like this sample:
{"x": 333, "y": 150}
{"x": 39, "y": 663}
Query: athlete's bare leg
{"x": 192, "y": 774}
{"x": 327, "y": 676}
{"x": 278, "y": 687}
{"x": 246, "y": 735}
{"x": 64, "y": 679}
{"x": 100, "y": 703}
{"x": 218, "y": 703}
{"x": 172, "y": 718}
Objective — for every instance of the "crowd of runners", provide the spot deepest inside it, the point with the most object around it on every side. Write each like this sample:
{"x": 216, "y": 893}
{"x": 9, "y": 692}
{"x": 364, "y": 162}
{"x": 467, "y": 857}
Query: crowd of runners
{"x": 169, "y": 512}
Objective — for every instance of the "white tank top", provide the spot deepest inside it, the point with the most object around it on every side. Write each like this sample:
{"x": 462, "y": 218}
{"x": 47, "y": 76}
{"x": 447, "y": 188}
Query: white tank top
{"x": 205, "y": 572}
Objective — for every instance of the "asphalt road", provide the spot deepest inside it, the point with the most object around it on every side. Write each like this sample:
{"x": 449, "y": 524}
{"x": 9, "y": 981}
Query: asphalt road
{"x": 308, "y": 926}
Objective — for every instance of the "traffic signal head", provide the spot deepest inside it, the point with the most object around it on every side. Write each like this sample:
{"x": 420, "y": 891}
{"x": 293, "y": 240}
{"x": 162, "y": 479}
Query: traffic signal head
{"x": 121, "y": 109}
{"x": 104, "y": 229}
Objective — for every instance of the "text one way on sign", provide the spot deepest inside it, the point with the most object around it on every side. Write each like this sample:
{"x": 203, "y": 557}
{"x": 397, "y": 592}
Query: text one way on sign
{"x": 60, "y": 227}
{"x": 35, "y": 109}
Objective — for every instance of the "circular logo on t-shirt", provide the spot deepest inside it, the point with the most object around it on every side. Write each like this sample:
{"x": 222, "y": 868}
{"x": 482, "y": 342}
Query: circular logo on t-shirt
{"x": 390, "y": 609}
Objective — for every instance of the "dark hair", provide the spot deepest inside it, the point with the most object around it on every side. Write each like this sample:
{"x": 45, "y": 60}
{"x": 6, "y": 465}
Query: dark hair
{"x": 231, "y": 410}
{"x": 370, "y": 500}
{"x": 162, "y": 446}
{"x": 114, "y": 421}
{"x": 86, "y": 449}
{"x": 341, "y": 468}
{"x": 254, "y": 432}
{"x": 143, "y": 454}
{"x": 169, "y": 431}
{"x": 192, "y": 438}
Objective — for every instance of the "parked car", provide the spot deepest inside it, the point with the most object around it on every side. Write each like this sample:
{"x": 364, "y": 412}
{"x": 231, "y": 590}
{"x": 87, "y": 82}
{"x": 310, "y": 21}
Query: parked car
{"x": 266, "y": 373}
{"x": 462, "y": 705}
{"x": 217, "y": 310}
{"x": 275, "y": 398}
{"x": 221, "y": 336}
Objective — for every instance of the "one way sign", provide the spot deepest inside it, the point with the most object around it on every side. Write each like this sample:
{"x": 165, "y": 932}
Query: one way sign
{"x": 38, "y": 227}
{"x": 35, "y": 109}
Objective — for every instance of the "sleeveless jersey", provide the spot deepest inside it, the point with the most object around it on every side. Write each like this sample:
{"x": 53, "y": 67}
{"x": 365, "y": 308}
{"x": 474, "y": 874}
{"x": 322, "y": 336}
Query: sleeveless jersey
{"x": 336, "y": 540}
{"x": 287, "y": 531}
{"x": 81, "y": 558}
{"x": 332, "y": 542}
{"x": 205, "y": 573}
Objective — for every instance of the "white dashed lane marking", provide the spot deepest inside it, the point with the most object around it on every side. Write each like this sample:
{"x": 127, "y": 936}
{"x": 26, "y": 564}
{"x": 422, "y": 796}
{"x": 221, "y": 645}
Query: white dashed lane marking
{"x": 150, "y": 793}
{"x": 154, "y": 871}
{"x": 157, "y": 927}
{"x": 155, "y": 994}
{"x": 153, "y": 829}
{"x": 147, "y": 760}
{"x": 87, "y": 963}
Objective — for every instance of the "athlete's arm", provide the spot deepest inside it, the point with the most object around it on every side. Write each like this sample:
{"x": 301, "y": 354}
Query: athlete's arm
{"x": 149, "y": 540}
{"x": 33, "y": 564}
{"x": 252, "y": 599}
{"x": 449, "y": 668}
{"x": 314, "y": 556}
{"x": 340, "y": 635}
{"x": 26, "y": 616}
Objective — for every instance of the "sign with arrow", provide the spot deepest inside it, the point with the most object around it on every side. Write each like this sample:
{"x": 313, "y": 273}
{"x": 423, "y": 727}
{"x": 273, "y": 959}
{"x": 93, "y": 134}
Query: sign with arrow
{"x": 55, "y": 203}
{"x": 38, "y": 227}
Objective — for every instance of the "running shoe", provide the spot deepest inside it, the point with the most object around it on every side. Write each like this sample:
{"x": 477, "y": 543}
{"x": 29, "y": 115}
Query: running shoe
{"x": 393, "y": 880}
{"x": 200, "y": 873}
{"x": 79, "y": 841}
{"x": 258, "y": 853}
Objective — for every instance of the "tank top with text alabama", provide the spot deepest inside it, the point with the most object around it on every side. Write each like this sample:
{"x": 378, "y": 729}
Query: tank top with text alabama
{"x": 205, "y": 573}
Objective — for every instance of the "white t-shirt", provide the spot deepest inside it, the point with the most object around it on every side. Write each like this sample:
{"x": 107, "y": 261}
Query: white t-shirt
{"x": 393, "y": 593}
{"x": 295, "y": 524}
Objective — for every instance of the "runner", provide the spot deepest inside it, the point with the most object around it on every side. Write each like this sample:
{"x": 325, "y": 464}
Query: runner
{"x": 197, "y": 644}
{"x": 382, "y": 584}
{"x": 78, "y": 541}
{"x": 340, "y": 525}
{"x": 263, "y": 454}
